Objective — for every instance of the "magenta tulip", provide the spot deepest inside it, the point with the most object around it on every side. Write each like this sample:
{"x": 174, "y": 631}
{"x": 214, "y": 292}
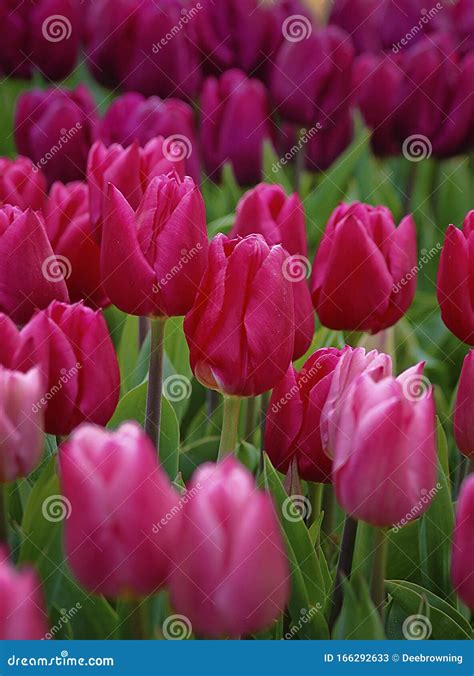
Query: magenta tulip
{"x": 241, "y": 329}
{"x": 462, "y": 564}
{"x": 230, "y": 575}
{"x": 266, "y": 210}
{"x": 26, "y": 255}
{"x": 153, "y": 259}
{"x": 456, "y": 280}
{"x": 21, "y": 184}
{"x": 115, "y": 540}
{"x": 365, "y": 269}
{"x": 464, "y": 408}
{"x": 21, "y": 424}
{"x": 385, "y": 458}
{"x": 72, "y": 348}
{"x": 128, "y": 169}
{"x": 22, "y": 613}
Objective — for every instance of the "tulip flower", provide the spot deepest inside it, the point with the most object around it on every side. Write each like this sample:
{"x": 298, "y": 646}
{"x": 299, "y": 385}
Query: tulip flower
{"x": 153, "y": 259}
{"x": 132, "y": 117}
{"x": 235, "y": 123}
{"x": 361, "y": 20}
{"x": 21, "y": 428}
{"x": 21, "y": 184}
{"x": 267, "y": 210}
{"x": 9, "y": 340}
{"x": 462, "y": 565}
{"x": 365, "y": 270}
{"x": 55, "y": 128}
{"x": 26, "y": 255}
{"x": 230, "y": 575}
{"x": 240, "y": 330}
{"x": 455, "y": 279}
{"x": 385, "y": 451}
{"x": 22, "y": 613}
{"x": 69, "y": 228}
{"x": 72, "y": 348}
{"x": 130, "y": 170}
{"x": 463, "y": 22}
{"x": 118, "y": 538}
{"x": 43, "y": 35}
{"x": 144, "y": 47}
{"x": 292, "y": 429}
{"x": 464, "y": 408}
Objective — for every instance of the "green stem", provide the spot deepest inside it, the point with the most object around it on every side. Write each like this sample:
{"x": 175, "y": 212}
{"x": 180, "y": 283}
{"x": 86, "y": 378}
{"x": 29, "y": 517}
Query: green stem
{"x": 250, "y": 418}
{"x": 3, "y": 514}
{"x": 155, "y": 381}
{"x": 344, "y": 566}
{"x": 377, "y": 587}
{"x": 316, "y": 496}
{"x": 230, "y": 426}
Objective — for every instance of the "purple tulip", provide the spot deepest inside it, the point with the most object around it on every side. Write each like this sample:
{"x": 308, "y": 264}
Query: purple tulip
{"x": 462, "y": 564}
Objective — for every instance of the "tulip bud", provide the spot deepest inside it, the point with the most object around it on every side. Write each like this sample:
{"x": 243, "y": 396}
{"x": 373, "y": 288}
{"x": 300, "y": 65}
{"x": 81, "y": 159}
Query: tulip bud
{"x": 21, "y": 423}
{"x": 69, "y": 228}
{"x": 455, "y": 279}
{"x": 22, "y": 613}
{"x": 130, "y": 170}
{"x": 72, "y": 348}
{"x": 26, "y": 255}
{"x": 119, "y": 536}
{"x": 241, "y": 328}
{"x": 361, "y": 20}
{"x": 385, "y": 463}
{"x": 462, "y": 564}
{"x": 230, "y": 575}
{"x": 55, "y": 128}
{"x": 365, "y": 269}
{"x": 235, "y": 123}
{"x": 266, "y": 210}
{"x": 464, "y": 408}
{"x": 292, "y": 429}
{"x": 153, "y": 259}
{"x": 132, "y": 117}
{"x": 21, "y": 184}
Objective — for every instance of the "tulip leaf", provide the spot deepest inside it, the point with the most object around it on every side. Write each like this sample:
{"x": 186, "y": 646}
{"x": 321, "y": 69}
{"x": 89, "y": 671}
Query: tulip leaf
{"x": 127, "y": 353}
{"x": 274, "y": 169}
{"x": 196, "y": 453}
{"x": 298, "y": 537}
{"x": 453, "y": 192}
{"x": 42, "y": 532}
{"x": 359, "y": 619}
{"x": 435, "y": 531}
{"x": 223, "y": 224}
{"x": 440, "y": 621}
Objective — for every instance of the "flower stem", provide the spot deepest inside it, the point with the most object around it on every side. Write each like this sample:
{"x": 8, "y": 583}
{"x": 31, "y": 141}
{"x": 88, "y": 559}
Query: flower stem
{"x": 230, "y": 426}
{"x": 3, "y": 514}
{"x": 250, "y": 418}
{"x": 377, "y": 587}
{"x": 155, "y": 381}
{"x": 344, "y": 566}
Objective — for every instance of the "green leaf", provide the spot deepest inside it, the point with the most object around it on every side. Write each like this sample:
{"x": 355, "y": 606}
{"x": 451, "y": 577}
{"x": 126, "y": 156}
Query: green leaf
{"x": 359, "y": 619}
{"x": 196, "y": 454}
{"x": 274, "y": 169}
{"x": 127, "y": 353}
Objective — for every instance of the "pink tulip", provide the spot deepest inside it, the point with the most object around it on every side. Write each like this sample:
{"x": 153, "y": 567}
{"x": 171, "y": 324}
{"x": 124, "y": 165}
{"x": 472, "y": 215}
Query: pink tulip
{"x": 26, "y": 256}
{"x": 464, "y": 408}
{"x": 153, "y": 259}
{"x": 22, "y": 614}
{"x": 128, "y": 169}
{"x": 120, "y": 535}
{"x": 385, "y": 452}
{"x": 21, "y": 424}
{"x": 230, "y": 575}
{"x": 21, "y": 183}
{"x": 462, "y": 564}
